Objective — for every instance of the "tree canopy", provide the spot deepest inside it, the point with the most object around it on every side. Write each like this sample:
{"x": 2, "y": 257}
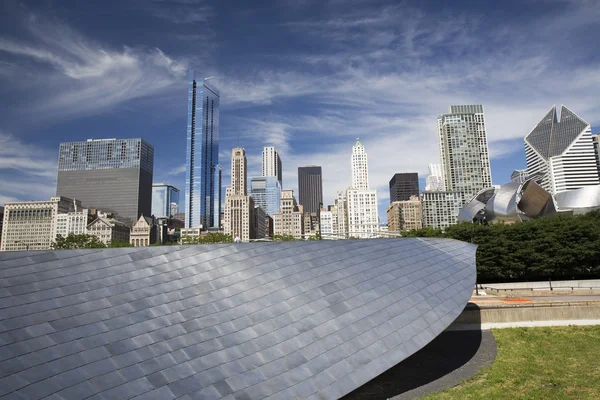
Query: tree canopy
{"x": 216, "y": 237}
{"x": 560, "y": 247}
{"x": 72, "y": 241}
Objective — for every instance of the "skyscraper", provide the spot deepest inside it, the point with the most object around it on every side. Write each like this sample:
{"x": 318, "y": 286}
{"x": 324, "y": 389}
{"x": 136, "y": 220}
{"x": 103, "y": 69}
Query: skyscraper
{"x": 464, "y": 150}
{"x": 403, "y": 186}
{"x": 163, "y": 197}
{"x": 361, "y": 203}
{"x": 271, "y": 163}
{"x": 266, "y": 192}
{"x": 202, "y": 189}
{"x": 310, "y": 188}
{"x": 108, "y": 174}
{"x": 239, "y": 172}
{"x": 560, "y": 154}
{"x": 360, "y": 169}
{"x": 239, "y": 207}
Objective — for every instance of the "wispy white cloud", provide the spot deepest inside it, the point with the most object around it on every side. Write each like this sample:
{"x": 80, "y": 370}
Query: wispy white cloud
{"x": 27, "y": 171}
{"x": 180, "y": 169}
{"x": 81, "y": 76}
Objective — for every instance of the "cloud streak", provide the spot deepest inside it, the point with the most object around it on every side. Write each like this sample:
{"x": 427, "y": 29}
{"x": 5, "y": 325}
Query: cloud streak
{"x": 81, "y": 76}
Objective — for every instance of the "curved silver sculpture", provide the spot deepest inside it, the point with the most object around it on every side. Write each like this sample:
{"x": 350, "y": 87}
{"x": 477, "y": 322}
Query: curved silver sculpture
{"x": 518, "y": 201}
{"x": 579, "y": 201}
{"x": 313, "y": 319}
{"x": 474, "y": 210}
{"x": 502, "y": 206}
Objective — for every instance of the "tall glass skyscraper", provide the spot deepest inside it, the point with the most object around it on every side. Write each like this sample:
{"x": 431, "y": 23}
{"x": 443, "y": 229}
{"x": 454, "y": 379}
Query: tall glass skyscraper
{"x": 108, "y": 174}
{"x": 202, "y": 188}
{"x": 266, "y": 192}
{"x": 163, "y": 196}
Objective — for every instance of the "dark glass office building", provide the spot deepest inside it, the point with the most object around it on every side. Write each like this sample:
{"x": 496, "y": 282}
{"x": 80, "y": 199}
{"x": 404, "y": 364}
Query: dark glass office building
{"x": 402, "y": 186}
{"x": 108, "y": 174}
{"x": 310, "y": 188}
{"x": 203, "y": 173}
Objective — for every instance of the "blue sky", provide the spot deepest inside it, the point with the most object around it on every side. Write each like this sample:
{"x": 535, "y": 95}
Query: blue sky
{"x": 308, "y": 77}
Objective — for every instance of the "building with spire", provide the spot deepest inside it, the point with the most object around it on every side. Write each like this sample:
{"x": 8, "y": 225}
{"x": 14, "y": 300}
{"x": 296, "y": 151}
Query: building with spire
{"x": 360, "y": 167}
{"x": 203, "y": 173}
{"x": 361, "y": 203}
{"x": 239, "y": 220}
{"x": 560, "y": 153}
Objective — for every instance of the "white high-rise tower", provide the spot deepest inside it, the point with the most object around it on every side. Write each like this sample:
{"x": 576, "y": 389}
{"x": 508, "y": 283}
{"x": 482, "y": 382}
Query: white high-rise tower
{"x": 561, "y": 154}
{"x": 363, "y": 215}
{"x": 464, "y": 150}
{"x": 360, "y": 167}
{"x": 271, "y": 163}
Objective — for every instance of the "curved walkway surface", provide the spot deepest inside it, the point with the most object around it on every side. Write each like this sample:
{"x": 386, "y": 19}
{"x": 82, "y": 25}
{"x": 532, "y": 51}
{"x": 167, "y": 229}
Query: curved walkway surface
{"x": 313, "y": 319}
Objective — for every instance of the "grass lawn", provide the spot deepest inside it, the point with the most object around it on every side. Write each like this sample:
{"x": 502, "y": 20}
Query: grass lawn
{"x": 537, "y": 363}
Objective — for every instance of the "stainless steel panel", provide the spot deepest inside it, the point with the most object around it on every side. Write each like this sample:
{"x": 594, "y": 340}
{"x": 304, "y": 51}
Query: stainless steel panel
{"x": 224, "y": 321}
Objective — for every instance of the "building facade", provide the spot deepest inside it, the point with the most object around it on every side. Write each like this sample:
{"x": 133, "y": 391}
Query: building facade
{"x": 363, "y": 216}
{"x": 32, "y": 225}
{"x": 435, "y": 179}
{"x": 596, "y": 141}
{"x": 464, "y": 150}
{"x": 74, "y": 222}
{"x": 403, "y": 186}
{"x": 239, "y": 216}
{"x": 311, "y": 224}
{"x": 203, "y": 173}
{"x": 269, "y": 226}
{"x": 289, "y": 221}
{"x": 108, "y": 174}
{"x": 405, "y": 215}
{"x": 271, "y": 164}
{"x": 165, "y": 199}
{"x": 327, "y": 224}
{"x": 109, "y": 230}
{"x": 440, "y": 208}
{"x": 519, "y": 175}
{"x": 341, "y": 215}
{"x": 239, "y": 207}
{"x": 174, "y": 209}
{"x": 562, "y": 152}
{"x": 266, "y": 192}
{"x": 360, "y": 167}
{"x": 259, "y": 223}
{"x": 310, "y": 188}
{"x": 144, "y": 232}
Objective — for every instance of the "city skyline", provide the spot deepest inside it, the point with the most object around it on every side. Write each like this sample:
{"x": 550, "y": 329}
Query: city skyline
{"x": 275, "y": 105}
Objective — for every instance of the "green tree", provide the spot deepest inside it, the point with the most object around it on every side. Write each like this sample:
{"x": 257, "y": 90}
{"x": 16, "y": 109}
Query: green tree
{"x": 72, "y": 241}
{"x": 283, "y": 238}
